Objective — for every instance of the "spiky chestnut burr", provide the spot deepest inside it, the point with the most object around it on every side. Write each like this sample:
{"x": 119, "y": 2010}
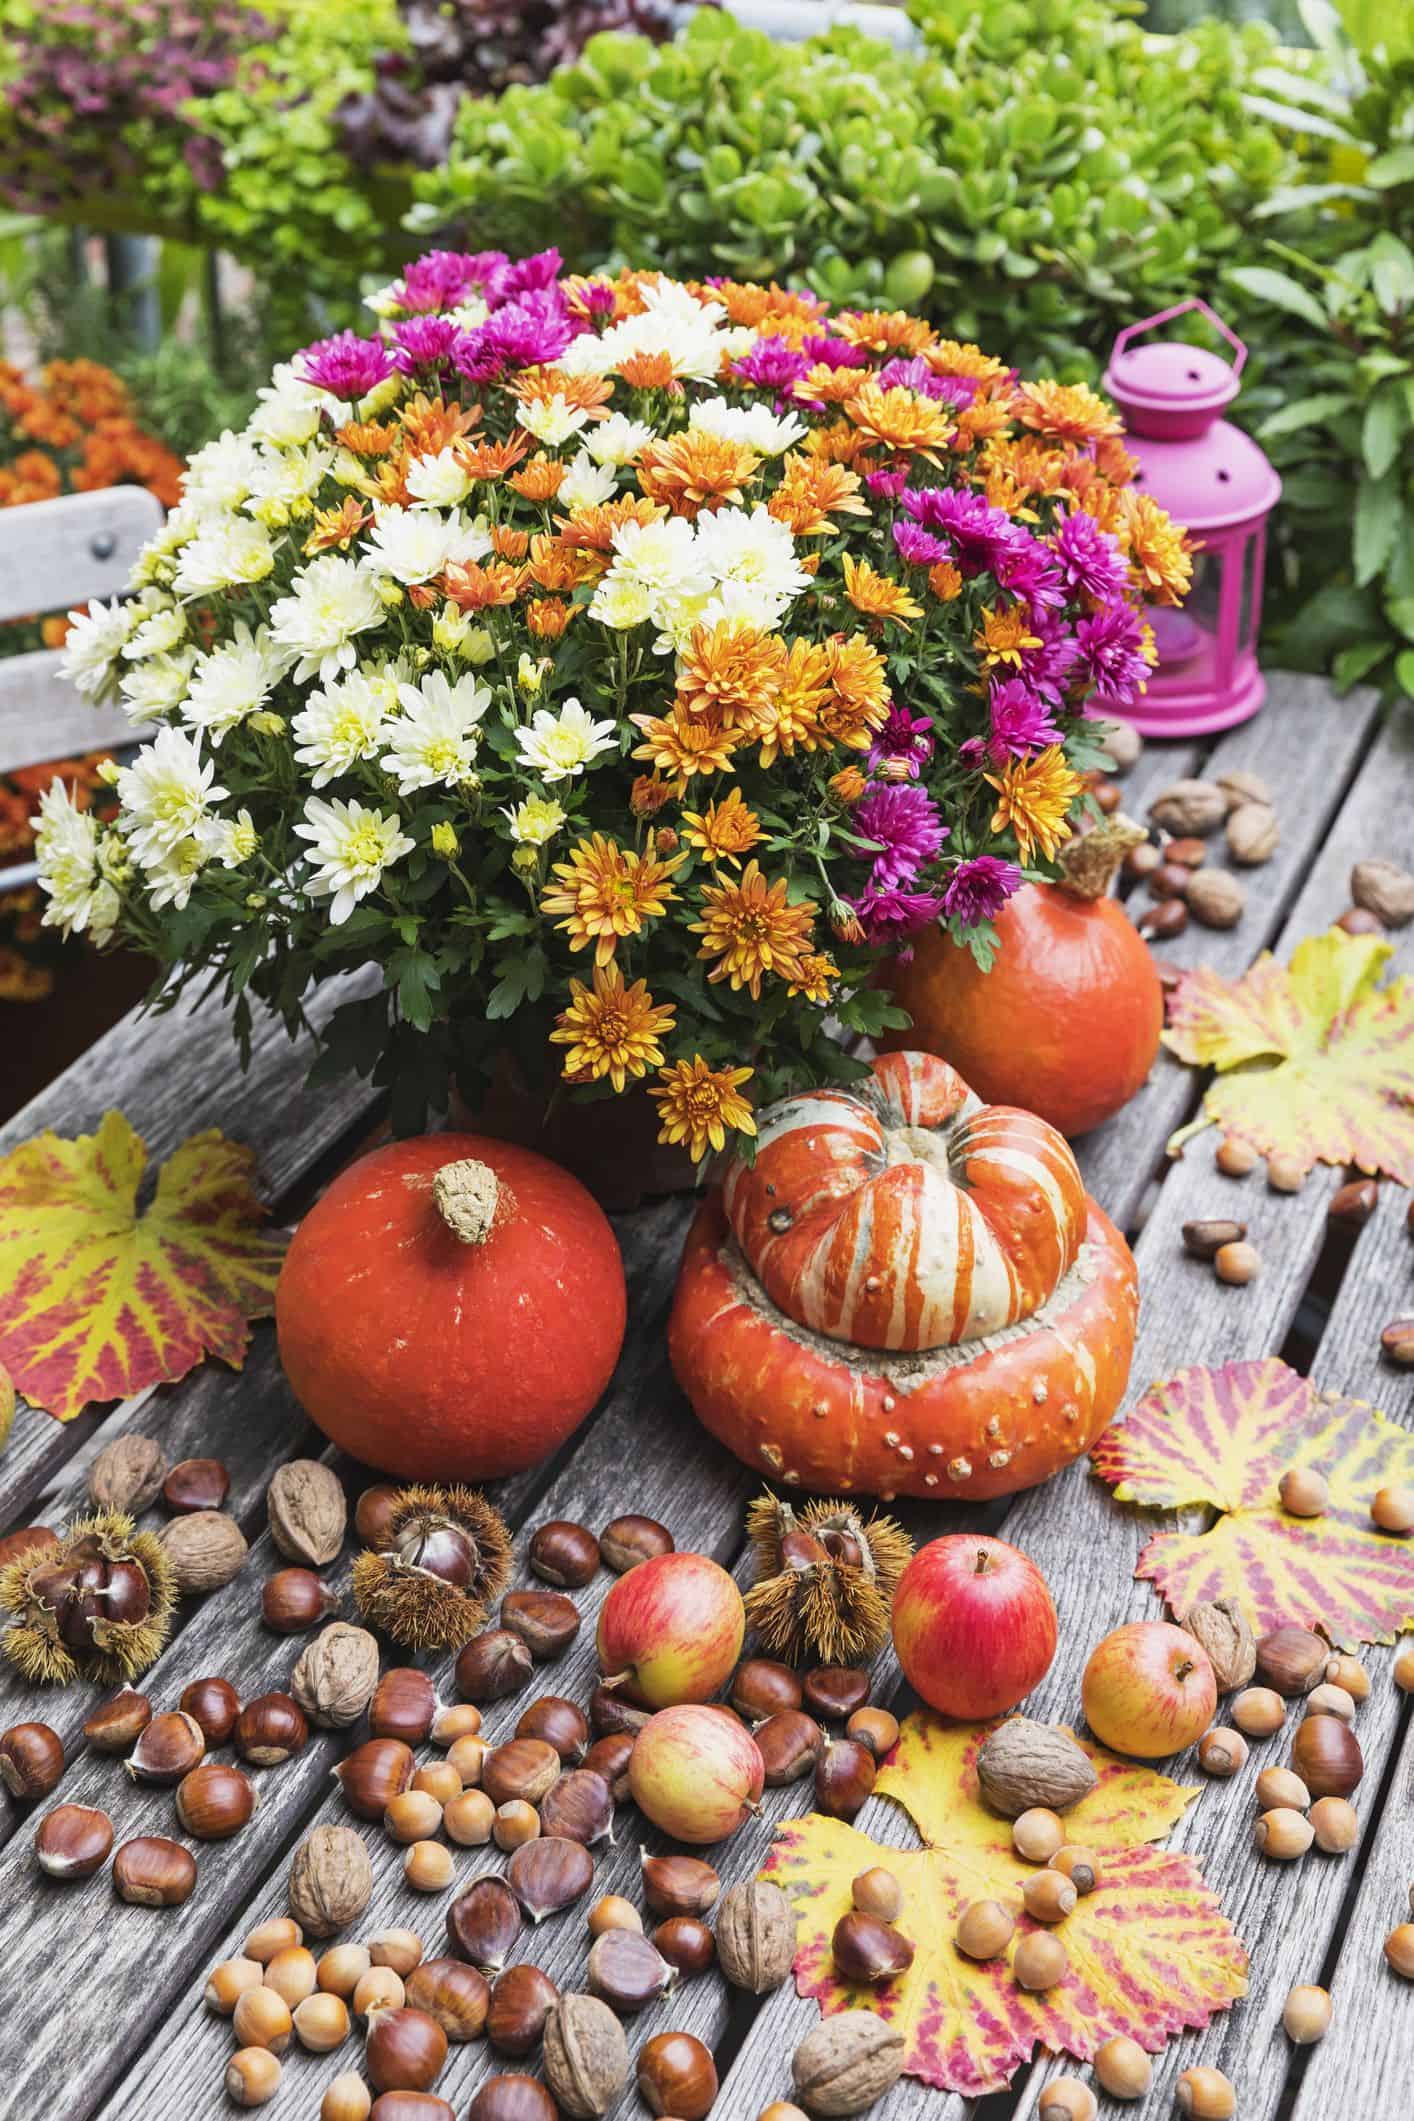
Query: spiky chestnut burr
{"x": 825, "y": 1579}
{"x": 447, "y": 1561}
{"x": 97, "y": 1606}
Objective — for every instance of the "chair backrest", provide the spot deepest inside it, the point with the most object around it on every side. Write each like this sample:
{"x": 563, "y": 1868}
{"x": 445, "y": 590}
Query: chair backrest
{"x": 53, "y": 555}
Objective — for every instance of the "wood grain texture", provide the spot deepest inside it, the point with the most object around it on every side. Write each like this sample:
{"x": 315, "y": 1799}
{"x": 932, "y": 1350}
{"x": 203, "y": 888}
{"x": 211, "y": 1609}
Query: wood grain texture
{"x": 79, "y": 546}
{"x": 43, "y": 718}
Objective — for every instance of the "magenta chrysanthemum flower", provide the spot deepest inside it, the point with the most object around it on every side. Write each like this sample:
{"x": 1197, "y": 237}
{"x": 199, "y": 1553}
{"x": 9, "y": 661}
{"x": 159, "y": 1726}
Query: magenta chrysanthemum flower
{"x": 1049, "y": 668}
{"x": 1021, "y": 722}
{"x": 917, "y": 376}
{"x": 1109, "y": 647}
{"x": 886, "y": 485}
{"x": 904, "y": 745}
{"x": 918, "y": 547}
{"x": 771, "y": 365}
{"x": 902, "y": 820}
{"x": 532, "y": 275}
{"x": 536, "y": 327}
{"x": 444, "y": 278}
{"x": 822, "y": 348}
{"x": 346, "y": 366}
{"x": 1090, "y": 561}
{"x": 599, "y": 299}
{"x": 891, "y": 916}
{"x": 978, "y": 890}
{"x": 426, "y": 342}
{"x": 1025, "y": 567}
{"x": 978, "y": 533}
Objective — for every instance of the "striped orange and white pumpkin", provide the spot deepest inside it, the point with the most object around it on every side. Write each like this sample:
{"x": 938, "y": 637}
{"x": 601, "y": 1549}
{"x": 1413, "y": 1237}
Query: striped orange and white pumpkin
{"x": 906, "y": 1292}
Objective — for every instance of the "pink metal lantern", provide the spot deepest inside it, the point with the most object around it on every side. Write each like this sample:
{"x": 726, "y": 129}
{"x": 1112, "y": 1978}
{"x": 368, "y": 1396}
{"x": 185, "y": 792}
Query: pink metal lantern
{"x": 1213, "y": 478}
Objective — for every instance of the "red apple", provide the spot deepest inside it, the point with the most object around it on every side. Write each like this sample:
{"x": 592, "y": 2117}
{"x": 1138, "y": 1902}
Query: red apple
{"x": 974, "y": 1625}
{"x": 695, "y": 1772}
{"x": 1149, "y": 1690}
{"x": 672, "y": 1628}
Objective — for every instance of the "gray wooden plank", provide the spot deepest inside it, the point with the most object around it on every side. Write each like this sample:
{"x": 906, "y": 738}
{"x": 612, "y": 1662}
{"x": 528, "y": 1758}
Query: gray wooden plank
{"x": 43, "y": 718}
{"x": 79, "y": 546}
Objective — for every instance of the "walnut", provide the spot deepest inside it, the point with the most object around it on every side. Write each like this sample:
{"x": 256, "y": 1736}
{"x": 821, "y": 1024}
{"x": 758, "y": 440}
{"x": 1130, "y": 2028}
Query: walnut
{"x": 336, "y": 1674}
{"x": 1215, "y": 898}
{"x": 1122, "y": 744}
{"x": 128, "y": 1474}
{"x": 307, "y": 1511}
{"x": 1221, "y": 1626}
{"x": 1252, "y": 834}
{"x": 756, "y": 1936}
{"x": 585, "y": 2056}
{"x": 847, "y": 2062}
{"x": 1240, "y": 787}
{"x": 331, "y": 1880}
{"x": 1024, "y": 1764}
{"x": 1189, "y": 807}
{"x": 1385, "y": 890}
{"x": 206, "y": 1549}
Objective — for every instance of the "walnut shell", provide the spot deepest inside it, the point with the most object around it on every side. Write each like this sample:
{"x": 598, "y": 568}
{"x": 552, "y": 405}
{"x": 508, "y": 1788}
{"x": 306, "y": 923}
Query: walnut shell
{"x": 336, "y": 1675}
{"x": 585, "y": 2056}
{"x": 331, "y": 1880}
{"x": 1189, "y": 807}
{"x": 1215, "y": 898}
{"x": 1122, "y": 744}
{"x": 128, "y": 1474}
{"x": 1385, "y": 890}
{"x": 1241, "y": 787}
{"x": 206, "y": 1549}
{"x": 1024, "y": 1764}
{"x": 308, "y": 1512}
{"x": 1252, "y": 834}
{"x": 847, "y": 2062}
{"x": 756, "y": 1936}
{"x": 1221, "y": 1626}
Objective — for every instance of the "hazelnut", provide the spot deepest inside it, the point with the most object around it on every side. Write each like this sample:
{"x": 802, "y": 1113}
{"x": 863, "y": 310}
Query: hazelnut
{"x": 468, "y": 1819}
{"x": 484, "y": 1922}
{"x": 1348, "y": 1672}
{"x": 875, "y": 1728}
{"x": 215, "y": 1801}
{"x": 1278, "y": 1786}
{"x": 1303, "y": 1492}
{"x": 835, "y": 1691}
{"x": 1284, "y": 1833}
{"x": 867, "y": 1951}
{"x": 341, "y": 1968}
{"x": 1326, "y": 1755}
{"x": 679, "y": 1885}
{"x": 563, "y": 1553}
{"x": 878, "y": 1892}
{"x": 562, "y": 1724}
{"x": 1037, "y": 1834}
{"x": 269, "y": 1730}
{"x": 629, "y": 1540}
{"x": 1402, "y": 1670}
{"x": 1048, "y": 1896}
{"x": 280, "y": 1934}
{"x": 373, "y": 1515}
{"x": 626, "y": 1971}
{"x": 427, "y": 1866}
{"x": 493, "y": 1665}
{"x": 1335, "y": 1824}
{"x": 844, "y": 1778}
{"x": 292, "y": 1974}
{"x": 613, "y": 1912}
{"x": 521, "y": 2001}
{"x": 685, "y": 1943}
{"x": 373, "y": 1774}
{"x": 1393, "y": 1509}
{"x": 1080, "y": 1865}
{"x": 117, "y": 1724}
{"x": 403, "y": 1705}
{"x": 1122, "y": 2068}
{"x": 1221, "y": 1752}
{"x": 167, "y": 1748}
{"x": 550, "y": 1874}
{"x": 196, "y": 1484}
{"x": 348, "y": 2099}
{"x": 1234, "y": 1158}
{"x": 468, "y": 1756}
{"x": 1066, "y": 2099}
{"x": 1237, "y": 1264}
{"x": 1258, "y": 1711}
{"x": 73, "y": 1841}
{"x": 460, "y": 1719}
{"x": 380, "y": 1989}
{"x": 405, "y": 2050}
{"x": 228, "y": 1982}
{"x": 31, "y": 1760}
{"x": 215, "y": 1705}
{"x": 399, "y": 1949}
{"x": 1040, "y": 1960}
{"x": 677, "y": 2076}
{"x": 413, "y": 1815}
{"x": 321, "y": 2023}
{"x": 262, "y": 2018}
{"x": 1291, "y": 1659}
{"x": 439, "y": 1780}
{"x": 984, "y": 1929}
{"x": 151, "y": 1871}
{"x": 1306, "y": 2014}
{"x": 1399, "y": 1950}
{"x": 512, "y": 2098}
{"x": 789, "y": 1744}
{"x": 453, "y": 1993}
{"x": 1328, "y": 1700}
{"x": 1286, "y": 1174}
{"x": 546, "y": 1621}
{"x": 1206, "y": 2094}
{"x": 586, "y": 2059}
{"x": 252, "y": 2077}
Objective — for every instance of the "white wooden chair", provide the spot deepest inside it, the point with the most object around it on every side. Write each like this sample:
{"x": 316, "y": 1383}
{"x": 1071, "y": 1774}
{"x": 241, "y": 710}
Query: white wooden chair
{"x": 53, "y": 555}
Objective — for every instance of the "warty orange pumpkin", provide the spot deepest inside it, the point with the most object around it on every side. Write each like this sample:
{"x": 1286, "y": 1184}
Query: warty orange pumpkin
{"x": 908, "y": 1292}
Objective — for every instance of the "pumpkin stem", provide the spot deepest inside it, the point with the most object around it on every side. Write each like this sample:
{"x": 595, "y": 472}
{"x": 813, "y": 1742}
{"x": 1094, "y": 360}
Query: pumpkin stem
{"x": 1091, "y": 860}
{"x": 467, "y": 1195}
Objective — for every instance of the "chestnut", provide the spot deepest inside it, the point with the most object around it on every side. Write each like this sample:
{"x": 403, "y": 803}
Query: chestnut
{"x": 73, "y": 1841}
{"x": 154, "y": 1872}
{"x": 453, "y": 1993}
{"x": 610, "y": 1716}
{"x": 686, "y": 1943}
{"x": 564, "y": 1553}
{"x": 789, "y": 1745}
{"x": 562, "y": 1724}
{"x": 844, "y": 1778}
{"x": 403, "y": 1706}
{"x": 523, "y": 1767}
{"x": 215, "y": 1801}
{"x": 521, "y": 2001}
{"x": 196, "y": 1484}
{"x": 546, "y": 1621}
{"x": 835, "y": 1691}
{"x": 438, "y": 1546}
{"x": 294, "y": 1600}
{"x": 679, "y": 1885}
{"x": 493, "y": 1665}
{"x": 271, "y": 1729}
{"x": 1326, "y": 1754}
{"x": 215, "y": 1704}
{"x": 579, "y": 1806}
{"x": 405, "y": 2050}
{"x": 626, "y": 1971}
{"x": 408, "y": 2106}
{"x": 119, "y": 1722}
{"x": 373, "y": 1515}
{"x": 761, "y": 1687}
{"x": 373, "y": 1774}
{"x": 484, "y": 1922}
{"x": 610, "y": 1757}
{"x": 31, "y": 1760}
{"x": 549, "y": 1874}
{"x": 167, "y": 1748}
{"x": 677, "y": 2076}
{"x": 629, "y": 1540}
{"x": 31, "y": 1539}
{"x": 867, "y": 1950}
{"x": 1292, "y": 1660}
{"x": 512, "y": 2098}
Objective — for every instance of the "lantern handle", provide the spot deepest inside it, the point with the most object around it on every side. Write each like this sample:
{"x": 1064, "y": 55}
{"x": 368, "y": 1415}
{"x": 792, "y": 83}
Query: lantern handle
{"x": 1179, "y": 309}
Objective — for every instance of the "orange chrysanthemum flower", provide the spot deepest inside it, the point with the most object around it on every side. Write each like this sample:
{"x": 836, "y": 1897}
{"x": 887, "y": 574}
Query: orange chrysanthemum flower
{"x": 611, "y": 1029}
{"x": 337, "y": 526}
{"x": 725, "y": 830}
{"x": 365, "y": 438}
{"x": 981, "y": 421}
{"x": 430, "y": 425}
{"x": 537, "y": 386}
{"x": 697, "y": 1104}
{"x": 686, "y": 744}
{"x": 959, "y": 357}
{"x": 858, "y": 701}
{"x": 650, "y": 371}
{"x": 817, "y": 974}
{"x": 509, "y": 544}
{"x": 473, "y": 587}
{"x": 607, "y": 892}
{"x": 837, "y": 444}
{"x": 1003, "y": 637}
{"x": 647, "y": 795}
{"x": 1113, "y": 461}
{"x": 547, "y": 617}
{"x": 847, "y": 786}
{"x": 540, "y": 479}
{"x": 885, "y": 330}
{"x": 1068, "y": 412}
{"x": 695, "y": 470}
{"x": 556, "y": 565}
{"x": 730, "y": 670}
{"x": 584, "y": 291}
{"x": 1034, "y": 796}
{"x": 877, "y": 595}
{"x": 492, "y": 460}
{"x": 794, "y": 720}
{"x": 593, "y": 528}
{"x": 901, "y": 420}
{"x": 811, "y": 492}
{"x": 945, "y": 581}
{"x": 749, "y": 928}
{"x": 823, "y": 385}
{"x": 767, "y": 308}
{"x": 1160, "y": 551}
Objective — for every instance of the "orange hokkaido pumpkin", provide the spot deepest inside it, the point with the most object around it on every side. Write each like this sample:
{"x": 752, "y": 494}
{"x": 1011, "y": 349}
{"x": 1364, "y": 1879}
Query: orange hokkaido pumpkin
{"x": 451, "y": 1308}
{"x": 1067, "y": 1021}
{"x": 907, "y": 1293}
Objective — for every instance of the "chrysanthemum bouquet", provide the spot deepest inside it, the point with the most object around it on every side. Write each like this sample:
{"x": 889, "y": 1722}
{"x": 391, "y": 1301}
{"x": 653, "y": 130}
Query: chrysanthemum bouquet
{"x": 626, "y": 667}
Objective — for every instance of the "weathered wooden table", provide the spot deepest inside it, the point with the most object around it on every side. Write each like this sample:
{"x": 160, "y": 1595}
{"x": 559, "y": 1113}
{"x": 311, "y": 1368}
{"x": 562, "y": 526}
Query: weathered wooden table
{"x": 102, "y": 2011}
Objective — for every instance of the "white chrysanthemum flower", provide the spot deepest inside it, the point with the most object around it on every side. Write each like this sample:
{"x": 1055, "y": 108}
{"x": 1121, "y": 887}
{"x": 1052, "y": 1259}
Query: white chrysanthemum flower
{"x": 228, "y": 551}
{"x": 618, "y": 440}
{"x": 94, "y": 645}
{"x": 222, "y": 472}
{"x": 169, "y": 882}
{"x": 587, "y": 484}
{"x": 350, "y": 845}
{"x": 287, "y": 414}
{"x": 622, "y": 605}
{"x": 535, "y": 821}
{"x": 329, "y": 605}
{"x": 158, "y": 685}
{"x": 285, "y": 478}
{"x": 432, "y": 744}
{"x": 165, "y": 795}
{"x": 741, "y": 545}
{"x": 770, "y": 432}
{"x": 660, "y": 556}
{"x": 155, "y": 634}
{"x": 737, "y": 340}
{"x": 78, "y": 899}
{"x": 730, "y": 601}
{"x": 674, "y": 322}
{"x": 439, "y": 481}
{"x": 234, "y": 840}
{"x": 414, "y": 544}
{"x": 234, "y": 681}
{"x": 552, "y": 420}
{"x": 342, "y": 724}
{"x": 561, "y": 745}
{"x": 386, "y": 301}
{"x": 468, "y": 314}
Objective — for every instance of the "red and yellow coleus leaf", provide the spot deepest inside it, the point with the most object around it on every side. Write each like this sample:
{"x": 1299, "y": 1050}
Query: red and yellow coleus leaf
{"x": 1150, "y": 1950}
{"x": 1322, "y": 1057}
{"x": 1224, "y": 1437}
{"x": 99, "y": 1299}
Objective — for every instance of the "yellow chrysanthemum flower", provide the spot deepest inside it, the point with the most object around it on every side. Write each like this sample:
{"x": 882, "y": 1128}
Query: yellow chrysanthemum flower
{"x": 725, "y": 830}
{"x": 1068, "y": 412}
{"x": 877, "y": 595}
{"x": 696, "y": 470}
{"x": 817, "y": 975}
{"x": 750, "y": 929}
{"x": 697, "y": 1105}
{"x": 1159, "y": 550}
{"x": 795, "y": 711}
{"x": 901, "y": 420}
{"x": 1033, "y": 797}
{"x": 1003, "y": 637}
{"x": 681, "y": 744}
{"x": 607, "y": 892}
{"x": 611, "y": 1029}
{"x": 731, "y": 670}
{"x": 858, "y": 701}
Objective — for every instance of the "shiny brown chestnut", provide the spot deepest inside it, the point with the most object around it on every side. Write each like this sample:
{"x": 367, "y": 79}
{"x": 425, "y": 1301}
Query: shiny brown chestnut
{"x": 835, "y": 1691}
{"x": 492, "y": 1666}
{"x": 373, "y": 1774}
{"x": 168, "y": 1748}
{"x": 455, "y": 1994}
{"x": 562, "y": 1724}
{"x": 524, "y": 1767}
{"x": 73, "y": 1841}
{"x": 549, "y": 1874}
{"x": 580, "y": 1806}
{"x": 629, "y": 1540}
{"x": 842, "y": 1546}
{"x": 196, "y": 1484}
{"x": 1326, "y": 1754}
{"x": 215, "y": 1801}
{"x": 546, "y": 1621}
{"x": 564, "y": 1553}
{"x": 31, "y": 1760}
{"x": 610, "y": 1716}
{"x": 627, "y": 1971}
{"x": 373, "y": 1515}
{"x": 521, "y": 2001}
{"x": 411, "y": 2106}
{"x": 677, "y": 2077}
{"x": 610, "y": 1757}
{"x": 484, "y": 1922}
{"x": 844, "y": 1778}
{"x": 151, "y": 1871}
{"x": 789, "y": 1745}
{"x": 270, "y": 1730}
{"x": 437, "y": 1546}
{"x": 118, "y": 1723}
{"x": 867, "y": 1950}
{"x": 512, "y": 2098}
{"x": 294, "y": 1600}
{"x": 679, "y": 1885}
{"x": 403, "y": 1706}
{"x": 405, "y": 2050}
{"x": 215, "y": 1704}
{"x": 87, "y": 1590}
{"x": 686, "y": 1943}
{"x": 761, "y": 1687}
